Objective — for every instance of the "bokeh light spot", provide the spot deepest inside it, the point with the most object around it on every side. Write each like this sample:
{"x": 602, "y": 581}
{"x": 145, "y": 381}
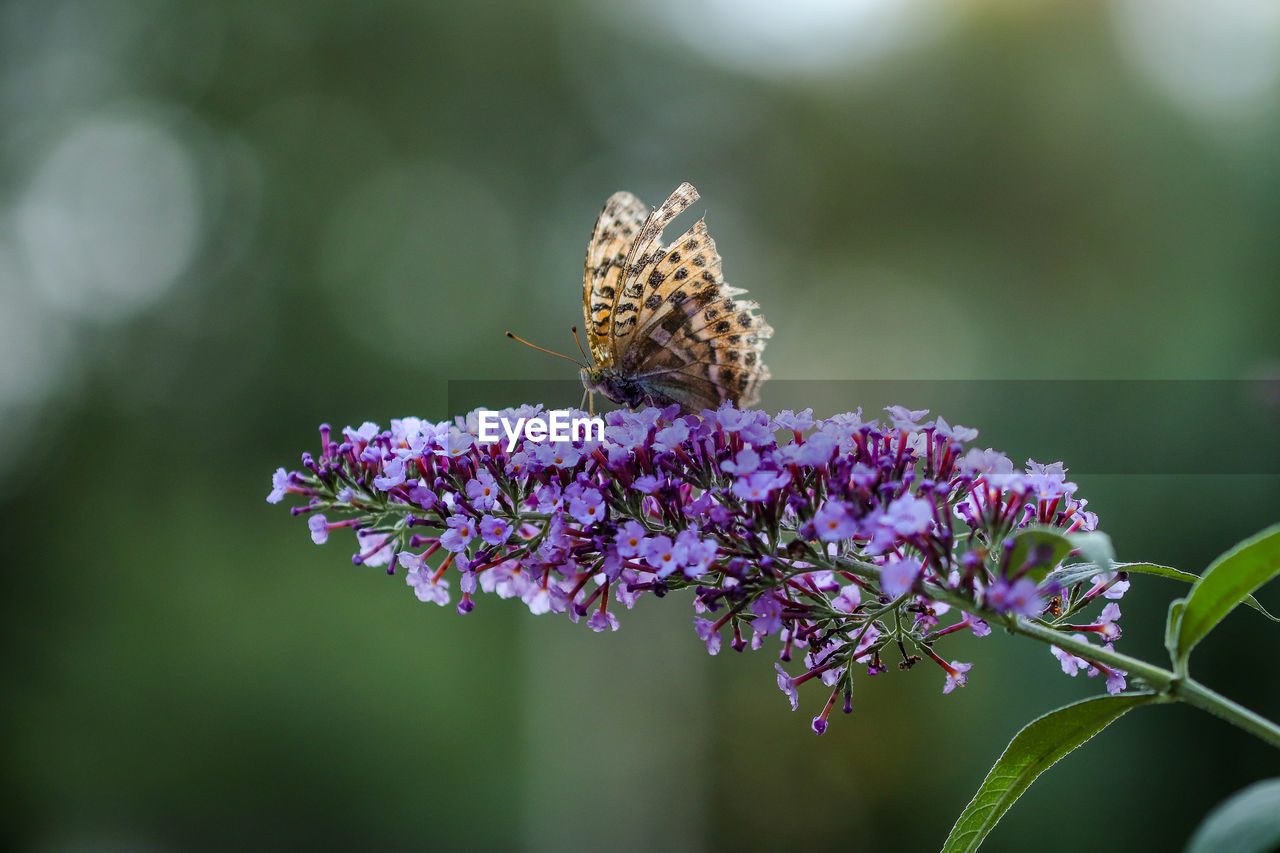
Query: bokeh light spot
{"x": 112, "y": 217}
{"x": 1219, "y": 59}
{"x": 801, "y": 36}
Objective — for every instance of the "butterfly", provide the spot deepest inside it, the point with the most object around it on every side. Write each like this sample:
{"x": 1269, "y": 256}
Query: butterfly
{"x": 662, "y": 325}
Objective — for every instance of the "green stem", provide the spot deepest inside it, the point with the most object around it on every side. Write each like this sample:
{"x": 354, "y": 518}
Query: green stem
{"x": 1194, "y": 693}
{"x": 1165, "y": 682}
{"x": 1157, "y": 678}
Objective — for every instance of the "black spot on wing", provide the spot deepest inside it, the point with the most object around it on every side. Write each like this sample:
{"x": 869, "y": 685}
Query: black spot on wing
{"x": 674, "y": 322}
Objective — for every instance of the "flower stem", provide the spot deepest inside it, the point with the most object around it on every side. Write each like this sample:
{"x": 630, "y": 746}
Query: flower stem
{"x": 1157, "y": 678}
{"x": 1167, "y": 683}
{"x": 1194, "y": 693}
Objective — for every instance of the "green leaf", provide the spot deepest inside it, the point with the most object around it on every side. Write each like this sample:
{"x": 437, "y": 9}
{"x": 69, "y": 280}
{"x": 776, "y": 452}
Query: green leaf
{"x": 1094, "y": 546}
{"x": 1227, "y": 582}
{"x": 1056, "y": 547}
{"x": 1248, "y": 822}
{"x": 1032, "y": 751}
{"x": 1077, "y": 572}
{"x": 1180, "y": 575}
{"x": 1172, "y": 624}
{"x": 1157, "y": 570}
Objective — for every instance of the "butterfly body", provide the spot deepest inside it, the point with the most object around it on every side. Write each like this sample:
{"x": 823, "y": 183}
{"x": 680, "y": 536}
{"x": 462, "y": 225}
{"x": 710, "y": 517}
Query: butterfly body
{"x": 662, "y": 324}
{"x": 627, "y": 389}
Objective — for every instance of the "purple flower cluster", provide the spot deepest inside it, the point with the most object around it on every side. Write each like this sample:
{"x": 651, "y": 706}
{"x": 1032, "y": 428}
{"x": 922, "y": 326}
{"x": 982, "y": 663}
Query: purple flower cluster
{"x": 841, "y": 540}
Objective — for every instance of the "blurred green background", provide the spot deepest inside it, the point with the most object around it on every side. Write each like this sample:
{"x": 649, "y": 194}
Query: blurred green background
{"x": 224, "y": 222}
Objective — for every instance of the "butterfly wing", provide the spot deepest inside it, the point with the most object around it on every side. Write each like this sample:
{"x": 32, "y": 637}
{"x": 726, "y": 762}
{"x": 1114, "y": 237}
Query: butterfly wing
{"x": 663, "y": 316}
{"x": 645, "y": 251}
{"x": 693, "y": 333}
{"x": 616, "y": 233}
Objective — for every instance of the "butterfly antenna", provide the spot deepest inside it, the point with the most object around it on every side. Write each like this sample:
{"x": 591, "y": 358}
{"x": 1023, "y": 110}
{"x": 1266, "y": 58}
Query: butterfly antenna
{"x": 576, "y": 340}
{"x": 547, "y": 351}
